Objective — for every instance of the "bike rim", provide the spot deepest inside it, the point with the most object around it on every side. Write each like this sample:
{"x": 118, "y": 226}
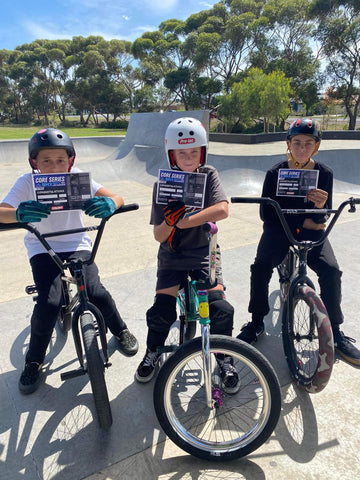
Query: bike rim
{"x": 236, "y": 424}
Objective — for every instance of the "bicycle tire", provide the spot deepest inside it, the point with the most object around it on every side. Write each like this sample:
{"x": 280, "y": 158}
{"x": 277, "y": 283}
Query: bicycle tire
{"x": 65, "y": 316}
{"x": 284, "y": 271}
{"x": 243, "y": 422}
{"x": 95, "y": 368}
{"x": 308, "y": 340}
{"x": 187, "y": 327}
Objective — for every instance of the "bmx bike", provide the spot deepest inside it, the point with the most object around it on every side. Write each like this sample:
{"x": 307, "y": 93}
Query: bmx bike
{"x": 306, "y": 329}
{"x": 78, "y": 313}
{"x": 192, "y": 405}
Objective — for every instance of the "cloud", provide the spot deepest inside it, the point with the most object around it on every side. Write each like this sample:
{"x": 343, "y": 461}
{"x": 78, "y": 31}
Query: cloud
{"x": 48, "y": 32}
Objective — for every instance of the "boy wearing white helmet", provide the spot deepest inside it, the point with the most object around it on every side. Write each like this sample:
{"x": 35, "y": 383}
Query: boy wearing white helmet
{"x": 184, "y": 247}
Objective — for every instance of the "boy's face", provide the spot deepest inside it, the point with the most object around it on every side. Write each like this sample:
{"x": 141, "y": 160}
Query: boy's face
{"x": 52, "y": 160}
{"x": 187, "y": 159}
{"x": 302, "y": 147}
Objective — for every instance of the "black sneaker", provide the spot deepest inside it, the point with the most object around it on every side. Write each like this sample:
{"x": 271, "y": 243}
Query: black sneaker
{"x": 229, "y": 377}
{"x": 128, "y": 342}
{"x": 146, "y": 369}
{"x": 344, "y": 346}
{"x": 30, "y": 378}
{"x": 250, "y": 332}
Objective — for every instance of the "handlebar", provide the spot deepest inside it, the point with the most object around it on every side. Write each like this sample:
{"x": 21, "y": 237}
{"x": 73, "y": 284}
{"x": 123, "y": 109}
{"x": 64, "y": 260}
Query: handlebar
{"x": 280, "y": 212}
{"x": 43, "y": 236}
{"x": 31, "y": 228}
{"x": 210, "y": 227}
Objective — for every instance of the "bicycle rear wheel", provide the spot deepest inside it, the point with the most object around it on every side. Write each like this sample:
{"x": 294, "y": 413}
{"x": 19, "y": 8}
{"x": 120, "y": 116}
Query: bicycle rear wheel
{"x": 65, "y": 316}
{"x": 308, "y": 340}
{"x": 284, "y": 271}
{"x": 187, "y": 325}
{"x": 95, "y": 368}
{"x": 237, "y": 423}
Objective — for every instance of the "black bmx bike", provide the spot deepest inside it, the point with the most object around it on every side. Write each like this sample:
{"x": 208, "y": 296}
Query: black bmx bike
{"x": 306, "y": 329}
{"x": 80, "y": 315}
{"x": 193, "y": 406}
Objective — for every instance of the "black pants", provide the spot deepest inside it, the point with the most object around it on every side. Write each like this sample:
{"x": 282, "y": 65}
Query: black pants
{"x": 272, "y": 249}
{"x": 48, "y": 283}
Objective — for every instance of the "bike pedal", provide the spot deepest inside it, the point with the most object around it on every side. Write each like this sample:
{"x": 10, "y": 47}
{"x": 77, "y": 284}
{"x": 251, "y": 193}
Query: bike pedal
{"x": 72, "y": 374}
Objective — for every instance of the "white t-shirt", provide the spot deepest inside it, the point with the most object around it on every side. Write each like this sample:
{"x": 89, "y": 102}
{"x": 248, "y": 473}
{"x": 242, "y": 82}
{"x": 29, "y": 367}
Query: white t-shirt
{"x": 22, "y": 191}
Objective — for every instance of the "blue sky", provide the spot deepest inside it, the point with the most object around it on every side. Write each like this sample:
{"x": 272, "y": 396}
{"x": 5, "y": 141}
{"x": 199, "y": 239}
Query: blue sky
{"x": 23, "y": 21}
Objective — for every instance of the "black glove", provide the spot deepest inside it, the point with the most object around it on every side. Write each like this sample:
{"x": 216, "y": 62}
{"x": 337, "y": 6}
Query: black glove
{"x": 173, "y": 212}
{"x": 174, "y": 239}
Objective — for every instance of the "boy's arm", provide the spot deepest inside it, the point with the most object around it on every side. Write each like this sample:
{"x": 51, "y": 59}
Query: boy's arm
{"x": 7, "y": 213}
{"x": 216, "y": 212}
{"x": 117, "y": 199}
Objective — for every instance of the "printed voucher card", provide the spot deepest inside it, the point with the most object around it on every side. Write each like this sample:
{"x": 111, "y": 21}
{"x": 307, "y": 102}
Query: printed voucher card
{"x": 296, "y": 183}
{"x": 186, "y": 186}
{"x": 62, "y": 191}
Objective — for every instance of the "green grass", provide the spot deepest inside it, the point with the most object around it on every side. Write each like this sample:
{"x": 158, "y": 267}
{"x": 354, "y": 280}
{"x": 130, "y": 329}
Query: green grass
{"x": 22, "y": 132}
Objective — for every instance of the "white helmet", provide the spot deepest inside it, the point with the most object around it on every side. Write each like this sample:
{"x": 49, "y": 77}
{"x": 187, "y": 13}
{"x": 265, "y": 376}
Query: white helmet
{"x": 185, "y": 132}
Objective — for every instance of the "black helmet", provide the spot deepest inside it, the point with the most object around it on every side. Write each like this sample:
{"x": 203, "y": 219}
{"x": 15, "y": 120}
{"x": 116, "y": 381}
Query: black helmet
{"x": 304, "y": 126}
{"x": 50, "y": 138}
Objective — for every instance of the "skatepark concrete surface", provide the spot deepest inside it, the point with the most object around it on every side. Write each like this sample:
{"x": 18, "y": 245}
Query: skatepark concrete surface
{"x": 53, "y": 433}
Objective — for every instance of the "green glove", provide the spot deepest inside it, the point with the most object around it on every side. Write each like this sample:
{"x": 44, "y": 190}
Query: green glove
{"x": 99, "y": 207}
{"x": 32, "y": 211}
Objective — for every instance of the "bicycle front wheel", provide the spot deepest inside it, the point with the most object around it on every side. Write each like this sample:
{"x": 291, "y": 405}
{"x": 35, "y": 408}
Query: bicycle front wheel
{"x": 95, "y": 368}
{"x": 237, "y": 423}
{"x": 307, "y": 339}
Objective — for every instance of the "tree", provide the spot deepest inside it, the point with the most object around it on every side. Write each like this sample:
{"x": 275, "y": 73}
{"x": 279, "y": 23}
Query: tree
{"x": 287, "y": 48}
{"x": 339, "y": 32}
{"x": 259, "y": 96}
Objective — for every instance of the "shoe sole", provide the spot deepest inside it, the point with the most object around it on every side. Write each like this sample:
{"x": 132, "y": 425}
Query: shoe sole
{"x": 28, "y": 389}
{"x": 149, "y": 377}
{"x": 144, "y": 379}
{"x": 351, "y": 360}
{"x": 230, "y": 391}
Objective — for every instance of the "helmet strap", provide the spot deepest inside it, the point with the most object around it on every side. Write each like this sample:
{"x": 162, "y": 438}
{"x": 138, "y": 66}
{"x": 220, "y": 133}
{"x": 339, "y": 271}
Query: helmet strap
{"x": 72, "y": 160}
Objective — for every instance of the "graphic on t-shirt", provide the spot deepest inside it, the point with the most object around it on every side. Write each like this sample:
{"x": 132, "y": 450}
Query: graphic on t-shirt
{"x": 62, "y": 191}
{"x": 296, "y": 183}
{"x": 186, "y": 186}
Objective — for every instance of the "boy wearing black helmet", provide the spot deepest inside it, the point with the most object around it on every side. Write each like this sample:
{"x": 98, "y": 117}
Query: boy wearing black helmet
{"x": 52, "y": 151}
{"x": 184, "y": 247}
{"x": 303, "y": 141}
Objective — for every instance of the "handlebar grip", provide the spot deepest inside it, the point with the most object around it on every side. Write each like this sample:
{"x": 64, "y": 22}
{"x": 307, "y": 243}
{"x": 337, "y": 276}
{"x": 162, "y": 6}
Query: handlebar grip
{"x": 127, "y": 208}
{"x": 10, "y": 226}
{"x": 245, "y": 200}
{"x": 210, "y": 227}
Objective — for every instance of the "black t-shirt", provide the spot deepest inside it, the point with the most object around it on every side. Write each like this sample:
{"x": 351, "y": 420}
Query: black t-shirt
{"x": 193, "y": 248}
{"x": 268, "y": 213}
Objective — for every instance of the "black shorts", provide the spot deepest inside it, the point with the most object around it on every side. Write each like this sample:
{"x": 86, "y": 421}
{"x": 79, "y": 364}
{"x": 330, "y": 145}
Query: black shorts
{"x": 170, "y": 278}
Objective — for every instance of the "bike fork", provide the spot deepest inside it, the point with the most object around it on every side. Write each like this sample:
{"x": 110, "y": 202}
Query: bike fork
{"x": 205, "y": 341}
